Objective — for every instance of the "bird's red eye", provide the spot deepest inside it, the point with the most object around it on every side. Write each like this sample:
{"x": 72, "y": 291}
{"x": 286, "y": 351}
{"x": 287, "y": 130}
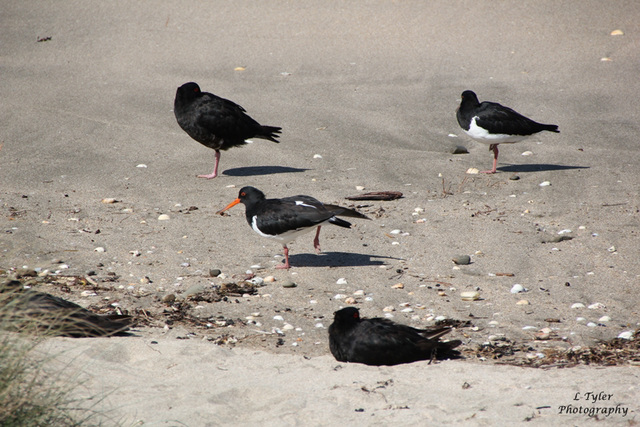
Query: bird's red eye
{"x": 243, "y": 194}
{"x": 356, "y": 315}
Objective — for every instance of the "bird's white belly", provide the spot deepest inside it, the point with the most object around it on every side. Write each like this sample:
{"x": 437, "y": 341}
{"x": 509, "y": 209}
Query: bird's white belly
{"x": 284, "y": 238}
{"x": 482, "y": 135}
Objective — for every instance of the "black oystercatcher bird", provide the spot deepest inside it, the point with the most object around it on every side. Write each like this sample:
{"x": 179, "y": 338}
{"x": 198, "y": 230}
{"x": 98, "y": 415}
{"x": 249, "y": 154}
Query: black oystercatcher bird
{"x": 23, "y": 309}
{"x": 216, "y": 122}
{"x": 494, "y": 124}
{"x": 285, "y": 219}
{"x": 380, "y": 341}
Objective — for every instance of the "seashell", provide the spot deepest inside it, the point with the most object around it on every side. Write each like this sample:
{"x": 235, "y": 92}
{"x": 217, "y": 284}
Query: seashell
{"x": 517, "y": 288}
{"x": 470, "y": 296}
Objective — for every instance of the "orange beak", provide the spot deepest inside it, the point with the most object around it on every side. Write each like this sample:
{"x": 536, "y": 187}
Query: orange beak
{"x": 229, "y": 206}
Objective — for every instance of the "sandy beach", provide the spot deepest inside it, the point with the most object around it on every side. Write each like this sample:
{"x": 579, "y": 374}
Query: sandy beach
{"x": 91, "y": 157}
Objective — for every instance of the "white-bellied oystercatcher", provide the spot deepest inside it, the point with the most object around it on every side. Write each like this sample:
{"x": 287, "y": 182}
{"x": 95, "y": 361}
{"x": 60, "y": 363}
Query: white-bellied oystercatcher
{"x": 216, "y": 122}
{"x": 493, "y": 124}
{"x": 380, "y": 341}
{"x": 287, "y": 218}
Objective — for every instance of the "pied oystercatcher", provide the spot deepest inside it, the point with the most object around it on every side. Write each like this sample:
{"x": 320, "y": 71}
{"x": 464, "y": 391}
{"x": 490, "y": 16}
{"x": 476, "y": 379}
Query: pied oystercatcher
{"x": 287, "y": 218}
{"x": 380, "y": 341}
{"x": 493, "y": 124}
{"x": 216, "y": 122}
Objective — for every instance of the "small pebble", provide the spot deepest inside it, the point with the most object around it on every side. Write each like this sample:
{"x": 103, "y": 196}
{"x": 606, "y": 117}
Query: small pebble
{"x": 169, "y": 298}
{"x": 288, "y": 284}
{"x": 214, "y": 272}
{"x": 523, "y": 302}
{"x": 604, "y": 319}
{"x": 462, "y": 260}
{"x": 517, "y": 288}
{"x": 163, "y": 217}
{"x": 407, "y": 310}
{"x": 389, "y": 309}
{"x": 592, "y": 325}
{"x": 185, "y": 264}
{"x": 278, "y": 317}
{"x": 395, "y": 231}
{"x": 493, "y": 323}
{"x": 440, "y": 318}
{"x": 580, "y": 319}
{"x": 269, "y": 279}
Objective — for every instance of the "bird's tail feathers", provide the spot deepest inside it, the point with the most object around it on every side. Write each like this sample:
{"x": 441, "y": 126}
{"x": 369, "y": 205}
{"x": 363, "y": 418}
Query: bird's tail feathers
{"x": 270, "y": 133}
{"x": 342, "y": 211}
{"x": 551, "y": 128}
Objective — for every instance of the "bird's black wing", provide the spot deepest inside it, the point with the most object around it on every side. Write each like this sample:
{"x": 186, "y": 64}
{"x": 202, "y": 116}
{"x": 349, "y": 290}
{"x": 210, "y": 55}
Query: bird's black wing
{"x": 276, "y": 216}
{"x": 224, "y": 119}
{"x": 498, "y": 119}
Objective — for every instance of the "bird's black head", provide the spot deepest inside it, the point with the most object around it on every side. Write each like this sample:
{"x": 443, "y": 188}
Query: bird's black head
{"x": 347, "y": 315}
{"x": 469, "y": 98}
{"x": 250, "y": 195}
{"x": 188, "y": 92}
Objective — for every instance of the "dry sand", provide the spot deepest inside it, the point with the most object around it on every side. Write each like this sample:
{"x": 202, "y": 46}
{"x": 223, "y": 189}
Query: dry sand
{"x": 372, "y": 87}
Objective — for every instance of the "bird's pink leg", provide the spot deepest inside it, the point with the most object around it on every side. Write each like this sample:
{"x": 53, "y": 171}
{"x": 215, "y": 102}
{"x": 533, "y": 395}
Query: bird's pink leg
{"x": 286, "y": 259}
{"x": 493, "y": 147}
{"x": 316, "y": 240}
{"x": 215, "y": 168}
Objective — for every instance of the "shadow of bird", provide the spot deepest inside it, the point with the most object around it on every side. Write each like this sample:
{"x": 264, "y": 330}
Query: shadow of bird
{"x": 23, "y": 309}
